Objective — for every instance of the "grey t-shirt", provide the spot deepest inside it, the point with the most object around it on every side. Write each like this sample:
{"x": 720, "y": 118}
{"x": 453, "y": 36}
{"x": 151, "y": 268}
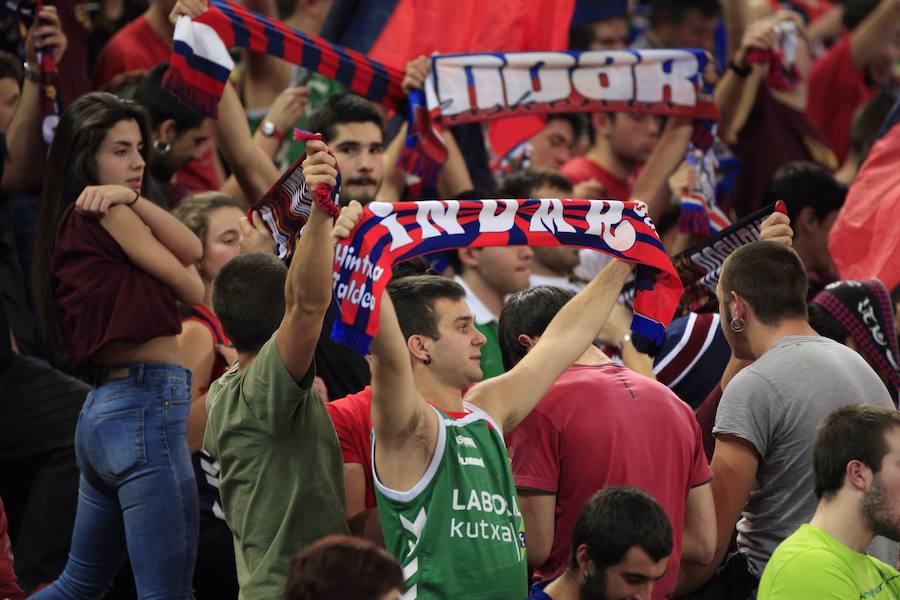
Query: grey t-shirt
{"x": 776, "y": 404}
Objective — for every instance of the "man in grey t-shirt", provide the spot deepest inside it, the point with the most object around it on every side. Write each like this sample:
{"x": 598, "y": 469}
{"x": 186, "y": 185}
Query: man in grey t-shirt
{"x": 767, "y": 418}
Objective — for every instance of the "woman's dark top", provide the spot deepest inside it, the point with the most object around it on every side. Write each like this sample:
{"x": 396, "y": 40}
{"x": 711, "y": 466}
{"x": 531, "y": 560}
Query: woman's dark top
{"x": 103, "y": 297}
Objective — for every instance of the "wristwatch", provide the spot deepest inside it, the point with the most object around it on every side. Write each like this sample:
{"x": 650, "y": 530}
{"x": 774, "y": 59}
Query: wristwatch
{"x": 268, "y": 129}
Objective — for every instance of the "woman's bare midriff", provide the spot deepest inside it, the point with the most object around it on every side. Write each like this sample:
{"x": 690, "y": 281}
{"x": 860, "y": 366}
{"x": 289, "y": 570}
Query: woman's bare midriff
{"x": 121, "y": 354}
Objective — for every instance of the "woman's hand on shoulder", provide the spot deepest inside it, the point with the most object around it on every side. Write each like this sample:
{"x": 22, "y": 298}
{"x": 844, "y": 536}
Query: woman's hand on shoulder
{"x": 97, "y": 200}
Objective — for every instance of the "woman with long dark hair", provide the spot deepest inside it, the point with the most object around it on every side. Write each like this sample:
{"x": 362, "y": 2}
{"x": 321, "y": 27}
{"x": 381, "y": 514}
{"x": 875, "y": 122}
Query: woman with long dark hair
{"x": 109, "y": 266}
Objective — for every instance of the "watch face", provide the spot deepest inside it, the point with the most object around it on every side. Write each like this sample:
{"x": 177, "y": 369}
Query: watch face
{"x": 268, "y": 128}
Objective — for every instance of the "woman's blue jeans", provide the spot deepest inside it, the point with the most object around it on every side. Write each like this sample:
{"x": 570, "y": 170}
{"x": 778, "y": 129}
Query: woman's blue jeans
{"x": 137, "y": 490}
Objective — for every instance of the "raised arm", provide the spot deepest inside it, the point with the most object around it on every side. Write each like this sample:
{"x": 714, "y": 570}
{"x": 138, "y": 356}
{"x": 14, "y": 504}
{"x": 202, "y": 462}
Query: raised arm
{"x": 307, "y": 291}
{"x": 264, "y": 75}
{"x": 736, "y": 94}
{"x": 23, "y": 164}
{"x": 511, "y": 396}
{"x": 652, "y": 186}
{"x": 405, "y": 426}
{"x": 874, "y": 32}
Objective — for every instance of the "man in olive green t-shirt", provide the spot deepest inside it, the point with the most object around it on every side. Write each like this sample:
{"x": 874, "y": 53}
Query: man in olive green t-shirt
{"x": 281, "y": 480}
{"x": 856, "y": 462}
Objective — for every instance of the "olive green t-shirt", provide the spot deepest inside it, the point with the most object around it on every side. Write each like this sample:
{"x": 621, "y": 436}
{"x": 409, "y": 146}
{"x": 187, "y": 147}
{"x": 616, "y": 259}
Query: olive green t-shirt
{"x": 281, "y": 481}
{"x": 811, "y": 564}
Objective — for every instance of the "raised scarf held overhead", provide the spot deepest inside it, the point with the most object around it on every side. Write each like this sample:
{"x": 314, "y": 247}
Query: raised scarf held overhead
{"x": 389, "y": 233}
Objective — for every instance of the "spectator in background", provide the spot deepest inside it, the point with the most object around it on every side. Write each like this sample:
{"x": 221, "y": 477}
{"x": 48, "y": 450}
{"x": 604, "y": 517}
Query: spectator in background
{"x": 108, "y": 268}
{"x": 766, "y": 127}
{"x": 591, "y": 410}
{"x": 855, "y": 465}
{"x": 867, "y": 124}
{"x": 768, "y": 413}
{"x": 681, "y": 24}
{"x": 859, "y": 314}
{"x": 343, "y": 567}
{"x": 488, "y": 276}
{"x": 552, "y": 147}
{"x": 551, "y": 265}
{"x": 180, "y": 135}
{"x": 280, "y": 479}
{"x": 813, "y": 198}
{"x": 599, "y": 26}
{"x": 862, "y": 62}
{"x": 138, "y": 47}
{"x": 10, "y": 88}
{"x": 215, "y": 219}
{"x": 620, "y": 549}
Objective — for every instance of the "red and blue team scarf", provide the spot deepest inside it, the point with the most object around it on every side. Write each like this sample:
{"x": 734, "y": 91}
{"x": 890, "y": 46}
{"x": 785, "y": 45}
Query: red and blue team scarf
{"x": 200, "y": 64}
{"x": 461, "y": 87}
{"x": 389, "y": 233}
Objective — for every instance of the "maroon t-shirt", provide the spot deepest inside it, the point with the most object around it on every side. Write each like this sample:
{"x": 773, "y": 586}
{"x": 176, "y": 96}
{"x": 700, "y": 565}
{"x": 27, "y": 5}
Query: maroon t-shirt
{"x": 605, "y": 425}
{"x": 103, "y": 297}
{"x": 773, "y": 136}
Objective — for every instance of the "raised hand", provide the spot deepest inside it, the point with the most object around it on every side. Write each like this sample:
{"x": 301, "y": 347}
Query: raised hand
{"x": 288, "y": 108}
{"x": 319, "y": 166}
{"x": 347, "y": 221}
{"x": 187, "y": 8}
{"x": 777, "y": 228}
{"x": 255, "y": 236}
{"x": 45, "y": 32}
{"x": 416, "y": 72}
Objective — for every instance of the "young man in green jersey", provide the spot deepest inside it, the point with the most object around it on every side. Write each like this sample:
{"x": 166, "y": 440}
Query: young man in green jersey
{"x": 856, "y": 463}
{"x": 445, "y": 491}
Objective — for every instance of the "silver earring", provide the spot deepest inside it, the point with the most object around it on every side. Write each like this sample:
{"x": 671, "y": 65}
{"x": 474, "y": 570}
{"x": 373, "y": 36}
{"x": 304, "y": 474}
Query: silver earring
{"x": 737, "y": 324}
{"x": 162, "y": 148}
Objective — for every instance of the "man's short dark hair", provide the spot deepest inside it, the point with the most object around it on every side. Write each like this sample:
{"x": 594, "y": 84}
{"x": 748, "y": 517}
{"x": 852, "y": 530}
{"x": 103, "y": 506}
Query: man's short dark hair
{"x": 414, "y": 299}
{"x": 616, "y": 519}
{"x": 10, "y": 67}
{"x": 248, "y": 298}
{"x": 676, "y": 11}
{"x": 162, "y": 104}
{"x": 578, "y": 122}
{"x": 528, "y": 312}
{"x": 523, "y": 183}
{"x": 801, "y": 184}
{"x": 339, "y": 566}
{"x": 770, "y": 278}
{"x": 855, "y": 432}
{"x": 855, "y": 11}
{"x": 345, "y": 107}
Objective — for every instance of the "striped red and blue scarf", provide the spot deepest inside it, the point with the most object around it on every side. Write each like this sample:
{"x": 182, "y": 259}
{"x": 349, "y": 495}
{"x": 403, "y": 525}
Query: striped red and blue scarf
{"x": 389, "y": 233}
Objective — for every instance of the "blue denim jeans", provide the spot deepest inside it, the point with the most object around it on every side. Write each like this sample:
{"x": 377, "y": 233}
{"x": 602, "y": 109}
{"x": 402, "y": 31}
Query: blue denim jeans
{"x": 137, "y": 490}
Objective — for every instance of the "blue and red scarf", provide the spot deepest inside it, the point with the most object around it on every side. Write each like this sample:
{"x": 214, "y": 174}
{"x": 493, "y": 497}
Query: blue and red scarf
{"x": 200, "y": 64}
{"x": 389, "y": 233}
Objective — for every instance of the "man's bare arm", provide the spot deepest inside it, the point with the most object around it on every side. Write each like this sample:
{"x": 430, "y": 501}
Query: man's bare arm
{"x": 511, "y": 396}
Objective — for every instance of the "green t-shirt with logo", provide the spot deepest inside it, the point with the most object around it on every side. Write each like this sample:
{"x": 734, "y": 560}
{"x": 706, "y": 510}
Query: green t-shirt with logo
{"x": 281, "y": 481}
{"x": 459, "y": 532}
{"x": 812, "y": 564}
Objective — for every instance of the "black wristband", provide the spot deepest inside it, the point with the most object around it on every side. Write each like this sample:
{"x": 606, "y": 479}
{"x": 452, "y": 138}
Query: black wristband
{"x": 30, "y": 74}
{"x": 137, "y": 195}
{"x": 739, "y": 70}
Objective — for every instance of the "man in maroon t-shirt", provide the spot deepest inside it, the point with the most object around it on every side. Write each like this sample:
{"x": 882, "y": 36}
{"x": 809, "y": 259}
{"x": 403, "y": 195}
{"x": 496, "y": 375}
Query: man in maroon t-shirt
{"x": 854, "y": 69}
{"x": 602, "y": 425}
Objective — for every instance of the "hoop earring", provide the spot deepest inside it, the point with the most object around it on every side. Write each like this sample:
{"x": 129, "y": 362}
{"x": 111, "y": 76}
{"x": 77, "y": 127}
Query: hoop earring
{"x": 162, "y": 148}
{"x": 737, "y": 324}
{"x": 427, "y": 360}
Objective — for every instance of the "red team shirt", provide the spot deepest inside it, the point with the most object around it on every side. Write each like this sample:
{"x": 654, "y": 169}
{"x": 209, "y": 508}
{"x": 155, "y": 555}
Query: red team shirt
{"x": 832, "y": 113}
{"x": 592, "y": 413}
{"x": 582, "y": 168}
